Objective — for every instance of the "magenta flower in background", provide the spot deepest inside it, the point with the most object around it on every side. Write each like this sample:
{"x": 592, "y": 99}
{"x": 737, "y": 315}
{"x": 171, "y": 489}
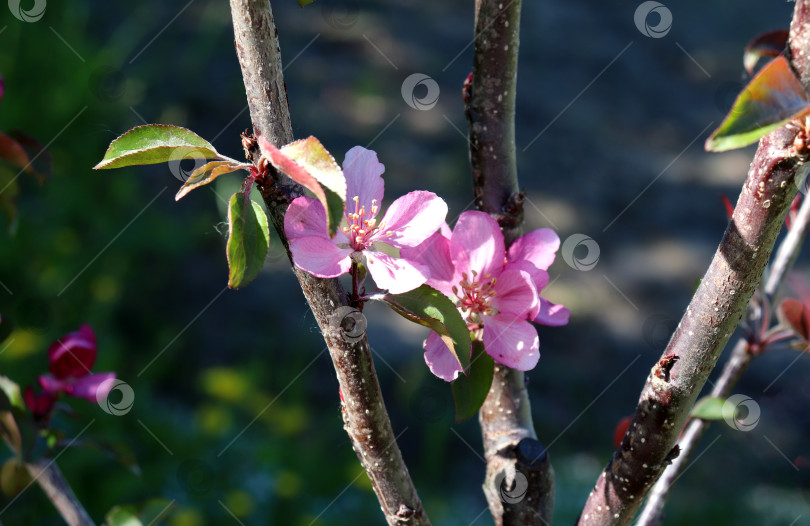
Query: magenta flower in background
{"x": 409, "y": 221}
{"x": 71, "y": 359}
{"x": 497, "y": 292}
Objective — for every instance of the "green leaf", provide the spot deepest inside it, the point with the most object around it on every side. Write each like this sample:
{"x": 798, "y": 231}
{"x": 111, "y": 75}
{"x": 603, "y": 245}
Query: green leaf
{"x": 303, "y": 3}
{"x": 708, "y": 408}
{"x": 123, "y": 516}
{"x": 149, "y": 513}
{"x": 430, "y": 308}
{"x": 155, "y": 143}
{"x": 206, "y": 174}
{"x": 10, "y": 395}
{"x": 770, "y": 44}
{"x": 249, "y": 238}
{"x": 469, "y": 392}
{"x": 308, "y": 163}
{"x": 14, "y": 478}
{"x": 772, "y": 98}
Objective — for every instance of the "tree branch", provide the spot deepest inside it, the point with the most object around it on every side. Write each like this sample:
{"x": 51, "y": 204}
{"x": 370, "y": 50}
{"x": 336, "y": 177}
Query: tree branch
{"x": 741, "y": 357}
{"x": 711, "y": 317}
{"x": 365, "y": 417}
{"x": 513, "y": 454}
{"x": 53, "y": 483}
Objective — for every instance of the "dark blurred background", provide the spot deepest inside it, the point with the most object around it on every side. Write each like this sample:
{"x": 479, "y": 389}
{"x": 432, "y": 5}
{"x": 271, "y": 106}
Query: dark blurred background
{"x": 236, "y": 414}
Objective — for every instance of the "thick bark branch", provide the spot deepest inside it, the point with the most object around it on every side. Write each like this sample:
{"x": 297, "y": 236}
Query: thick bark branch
{"x": 716, "y": 308}
{"x": 514, "y": 456}
{"x": 366, "y": 419}
{"x": 711, "y": 317}
{"x": 53, "y": 483}
{"x": 741, "y": 357}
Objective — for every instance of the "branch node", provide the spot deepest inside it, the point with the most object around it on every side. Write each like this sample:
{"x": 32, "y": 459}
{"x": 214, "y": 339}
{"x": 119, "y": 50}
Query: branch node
{"x": 531, "y": 454}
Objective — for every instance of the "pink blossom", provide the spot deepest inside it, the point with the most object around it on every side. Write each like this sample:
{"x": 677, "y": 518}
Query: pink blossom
{"x": 363, "y": 238}
{"x": 71, "y": 358}
{"x": 496, "y": 291}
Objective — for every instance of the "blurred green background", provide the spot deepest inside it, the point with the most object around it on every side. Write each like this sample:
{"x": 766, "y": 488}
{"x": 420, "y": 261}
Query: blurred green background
{"x": 236, "y": 415}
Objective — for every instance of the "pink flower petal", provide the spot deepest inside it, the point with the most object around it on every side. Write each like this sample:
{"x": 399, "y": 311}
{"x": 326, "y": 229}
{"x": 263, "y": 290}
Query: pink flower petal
{"x": 445, "y": 230}
{"x": 52, "y": 385}
{"x": 439, "y": 359}
{"x": 305, "y": 217}
{"x": 74, "y": 354}
{"x": 538, "y": 247}
{"x": 511, "y": 341}
{"x": 395, "y": 275}
{"x": 552, "y": 314}
{"x": 434, "y": 255}
{"x": 363, "y": 174}
{"x": 88, "y": 386}
{"x": 320, "y": 257}
{"x": 40, "y": 405}
{"x": 411, "y": 219}
{"x": 540, "y": 277}
{"x": 515, "y": 294}
{"x": 477, "y": 244}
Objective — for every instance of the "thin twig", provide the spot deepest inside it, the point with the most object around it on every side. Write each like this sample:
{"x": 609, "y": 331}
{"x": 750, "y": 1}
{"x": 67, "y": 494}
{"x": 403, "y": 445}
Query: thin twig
{"x": 49, "y": 477}
{"x": 366, "y": 419}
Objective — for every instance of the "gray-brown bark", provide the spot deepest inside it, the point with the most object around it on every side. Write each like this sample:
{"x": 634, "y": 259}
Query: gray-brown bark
{"x": 365, "y": 417}
{"x": 53, "y": 483}
{"x": 519, "y": 481}
{"x": 741, "y": 357}
{"x": 717, "y": 306}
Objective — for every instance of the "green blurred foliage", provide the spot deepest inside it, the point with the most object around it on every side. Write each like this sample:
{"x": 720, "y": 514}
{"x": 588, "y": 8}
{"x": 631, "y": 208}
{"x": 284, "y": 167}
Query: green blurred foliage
{"x": 236, "y": 406}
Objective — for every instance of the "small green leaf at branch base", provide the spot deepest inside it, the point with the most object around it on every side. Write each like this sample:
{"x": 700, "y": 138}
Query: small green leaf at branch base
{"x": 309, "y": 164}
{"x": 206, "y": 174}
{"x": 772, "y": 98}
{"x": 469, "y": 392}
{"x": 248, "y": 240}
{"x": 155, "y": 143}
{"x": 430, "y": 308}
{"x": 150, "y": 512}
{"x": 708, "y": 408}
{"x": 303, "y": 3}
